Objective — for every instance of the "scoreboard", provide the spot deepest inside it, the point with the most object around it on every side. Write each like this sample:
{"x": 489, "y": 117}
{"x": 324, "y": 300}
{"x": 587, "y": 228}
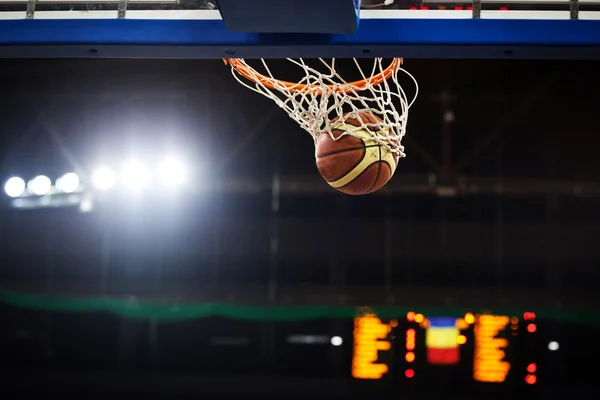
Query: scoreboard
{"x": 480, "y": 349}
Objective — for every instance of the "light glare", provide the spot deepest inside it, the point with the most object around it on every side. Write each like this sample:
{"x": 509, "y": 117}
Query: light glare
{"x": 14, "y": 187}
{"x": 134, "y": 176}
{"x": 68, "y": 183}
{"x": 553, "y": 346}
{"x": 172, "y": 172}
{"x": 40, "y": 185}
{"x": 103, "y": 178}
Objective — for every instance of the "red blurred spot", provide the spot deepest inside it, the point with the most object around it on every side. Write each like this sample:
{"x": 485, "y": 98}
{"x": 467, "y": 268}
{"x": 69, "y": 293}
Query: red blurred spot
{"x": 531, "y": 368}
{"x": 470, "y": 8}
{"x": 503, "y": 8}
{"x": 424, "y": 8}
{"x": 409, "y": 373}
{"x": 458, "y": 8}
{"x": 530, "y": 379}
{"x": 529, "y": 316}
{"x": 412, "y": 8}
{"x": 531, "y": 328}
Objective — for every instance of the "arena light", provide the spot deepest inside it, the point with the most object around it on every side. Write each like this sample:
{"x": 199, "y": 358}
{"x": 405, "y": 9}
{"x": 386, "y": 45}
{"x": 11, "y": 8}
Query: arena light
{"x": 134, "y": 175}
{"x": 172, "y": 172}
{"x": 103, "y": 178}
{"x": 336, "y": 341}
{"x": 40, "y": 185}
{"x": 68, "y": 183}
{"x": 553, "y": 346}
{"x": 14, "y": 187}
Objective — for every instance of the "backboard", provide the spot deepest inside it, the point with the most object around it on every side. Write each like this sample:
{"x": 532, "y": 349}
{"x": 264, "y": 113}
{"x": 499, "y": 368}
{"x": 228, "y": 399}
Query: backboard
{"x": 560, "y": 29}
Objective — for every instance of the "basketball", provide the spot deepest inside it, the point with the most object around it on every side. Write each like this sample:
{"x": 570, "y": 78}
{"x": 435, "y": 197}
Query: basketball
{"x": 355, "y": 165}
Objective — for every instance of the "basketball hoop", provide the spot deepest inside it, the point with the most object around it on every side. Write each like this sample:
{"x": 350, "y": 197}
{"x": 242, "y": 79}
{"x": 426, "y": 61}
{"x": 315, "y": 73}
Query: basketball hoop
{"x": 322, "y": 101}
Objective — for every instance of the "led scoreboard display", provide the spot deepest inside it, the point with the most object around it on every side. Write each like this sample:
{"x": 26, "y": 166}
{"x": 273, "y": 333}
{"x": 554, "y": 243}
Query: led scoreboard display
{"x": 477, "y": 347}
{"x": 370, "y": 337}
{"x": 490, "y": 363}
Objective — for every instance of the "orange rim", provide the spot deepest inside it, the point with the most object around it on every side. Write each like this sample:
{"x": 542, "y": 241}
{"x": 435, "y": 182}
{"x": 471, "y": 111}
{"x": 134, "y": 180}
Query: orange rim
{"x": 253, "y": 76}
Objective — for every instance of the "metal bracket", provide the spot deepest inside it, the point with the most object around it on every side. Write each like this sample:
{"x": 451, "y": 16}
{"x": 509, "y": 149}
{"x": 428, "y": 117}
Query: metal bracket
{"x": 574, "y": 9}
{"x": 122, "y": 10}
{"x": 476, "y": 9}
{"x": 30, "y": 9}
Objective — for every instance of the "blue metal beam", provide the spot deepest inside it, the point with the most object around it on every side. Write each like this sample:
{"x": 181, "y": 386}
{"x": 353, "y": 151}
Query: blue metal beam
{"x": 413, "y": 38}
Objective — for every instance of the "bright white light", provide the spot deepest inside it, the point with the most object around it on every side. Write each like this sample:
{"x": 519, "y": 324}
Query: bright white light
{"x": 134, "y": 176}
{"x": 40, "y": 185}
{"x": 337, "y": 341}
{"x": 103, "y": 178}
{"x": 86, "y": 205}
{"x": 68, "y": 183}
{"x": 14, "y": 187}
{"x": 553, "y": 346}
{"x": 172, "y": 172}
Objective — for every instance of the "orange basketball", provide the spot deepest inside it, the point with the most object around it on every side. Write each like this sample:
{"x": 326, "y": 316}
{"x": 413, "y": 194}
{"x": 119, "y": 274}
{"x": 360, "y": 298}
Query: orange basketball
{"x": 355, "y": 165}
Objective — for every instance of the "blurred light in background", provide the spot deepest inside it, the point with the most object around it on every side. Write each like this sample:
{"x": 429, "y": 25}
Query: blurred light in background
{"x": 172, "y": 172}
{"x": 14, "y": 187}
{"x": 103, "y": 178}
{"x": 370, "y": 338}
{"x": 531, "y": 328}
{"x": 410, "y": 316}
{"x": 410, "y": 339}
{"x": 531, "y": 379}
{"x": 409, "y": 373}
{"x": 529, "y": 316}
{"x": 337, "y": 341}
{"x": 86, "y": 205}
{"x": 469, "y": 318}
{"x": 68, "y": 183}
{"x": 461, "y": 324}
{"x": 308, "y": 339}
{"x": 553, "y": 346}
{"x": 489, "y": 363}
{"x": 134, "y": 175}
{"x": 40, "y": 185}
{"x": 442, "y": 341}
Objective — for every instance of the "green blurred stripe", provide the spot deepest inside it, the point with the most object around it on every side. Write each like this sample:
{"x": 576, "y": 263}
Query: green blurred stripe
{"x": 171, "y": 311}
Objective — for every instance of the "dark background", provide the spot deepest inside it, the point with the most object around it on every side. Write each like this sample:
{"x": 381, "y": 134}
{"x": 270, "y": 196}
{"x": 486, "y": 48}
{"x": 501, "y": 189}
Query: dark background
{"x": 527, "y": 125}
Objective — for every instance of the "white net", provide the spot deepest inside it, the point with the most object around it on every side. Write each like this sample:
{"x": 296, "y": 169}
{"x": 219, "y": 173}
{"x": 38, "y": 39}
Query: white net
{"x": 323, "y": 101}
